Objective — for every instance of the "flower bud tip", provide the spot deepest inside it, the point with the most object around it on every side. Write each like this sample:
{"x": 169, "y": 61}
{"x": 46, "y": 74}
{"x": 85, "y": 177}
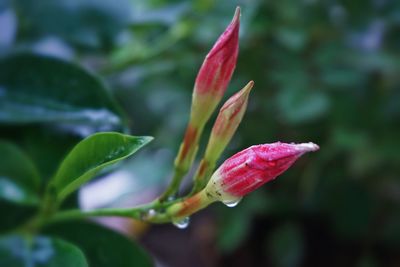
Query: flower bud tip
{"x": 236, "y": 17}
{"x": 307, "y": 147}
{"x": 249, "y": 86}
{"x": 228, "y": 40}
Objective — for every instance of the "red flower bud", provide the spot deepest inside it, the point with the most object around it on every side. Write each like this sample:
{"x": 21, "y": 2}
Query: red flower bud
{"x": 215, "y": 73}
{"x": 251, "y": 168}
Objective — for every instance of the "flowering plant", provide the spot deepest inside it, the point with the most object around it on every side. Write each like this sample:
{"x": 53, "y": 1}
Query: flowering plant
{"x": 238, "y": 176}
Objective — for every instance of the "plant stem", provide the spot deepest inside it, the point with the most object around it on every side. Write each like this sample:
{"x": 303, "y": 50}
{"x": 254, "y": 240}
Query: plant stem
{"x": 203, "y": 174}
{"x": 189, "y": 205}
{"x": 134, "y": 213}
{"x": 140, "y": 213}
{"x": 47, "y": 209}
{"x": 184, "y": 159}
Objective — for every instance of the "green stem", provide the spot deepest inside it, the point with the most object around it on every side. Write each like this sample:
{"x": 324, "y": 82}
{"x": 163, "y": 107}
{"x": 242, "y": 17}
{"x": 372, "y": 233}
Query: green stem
{"x": 139, "y": 213}
{"x": 47, "y": 209}
{"x": 134, "y": 213}
{"x": 142, "y": 213}
{"x": 203, "y": 174}
{"x": 184, "y": 161}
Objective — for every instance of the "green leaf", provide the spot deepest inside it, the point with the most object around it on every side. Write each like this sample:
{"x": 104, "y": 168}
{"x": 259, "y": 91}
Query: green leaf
{"x": 92, "y": 24}
{"x": 40, "y": 251}
{"x": 102, "y": 247}
{"x": 19, "y": 179}
{"x": 38, "y": 89}
{"x": 92, "y": 155}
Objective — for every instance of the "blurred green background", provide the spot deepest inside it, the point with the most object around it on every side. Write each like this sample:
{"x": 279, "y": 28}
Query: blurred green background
{"x": 324, "y": 71}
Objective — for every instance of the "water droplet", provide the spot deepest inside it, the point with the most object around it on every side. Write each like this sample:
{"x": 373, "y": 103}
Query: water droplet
{"x": 149, "y": 214}
{"x": 171, "y": 198}
{"x": 232, "y": 203}
{"x": 182, "y": 223}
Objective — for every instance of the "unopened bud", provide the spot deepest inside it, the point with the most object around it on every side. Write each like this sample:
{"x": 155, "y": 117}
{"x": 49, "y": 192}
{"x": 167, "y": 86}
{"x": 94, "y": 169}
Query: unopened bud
{"x": 215, "y": 73}
{"x": 227, "y": 122}
{"x": 249, "y": 169}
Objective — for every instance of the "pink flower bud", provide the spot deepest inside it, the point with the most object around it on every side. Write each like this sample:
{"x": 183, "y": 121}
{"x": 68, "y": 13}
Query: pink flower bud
{"x": 228, "y": 120}
{"x": 210, "y": 85}
{"x": 215, "y": 73}
{"x": 251, "y": 168}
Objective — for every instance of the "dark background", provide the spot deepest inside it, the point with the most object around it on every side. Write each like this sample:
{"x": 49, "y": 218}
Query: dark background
{"x": 324, "y": 71}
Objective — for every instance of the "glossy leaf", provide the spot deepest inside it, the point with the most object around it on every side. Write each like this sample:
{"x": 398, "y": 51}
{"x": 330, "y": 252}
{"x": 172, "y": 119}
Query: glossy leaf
{"x": 38, "y": 89}
{"x": 19, "y": 179}
{"x": 102, "y": 247}
{"x": 18, "y": 251}
{"x": 92, "y": 155}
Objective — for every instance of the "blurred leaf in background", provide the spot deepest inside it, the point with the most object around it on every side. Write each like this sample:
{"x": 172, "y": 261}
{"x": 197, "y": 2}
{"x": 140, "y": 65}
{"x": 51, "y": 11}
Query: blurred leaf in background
{"x": 39, "y": 251}
{"x": 37, "y": 89}
{"x": 87, "y": 23}
{"x": 102, "y": 246}
{"x": 20, "y": 184}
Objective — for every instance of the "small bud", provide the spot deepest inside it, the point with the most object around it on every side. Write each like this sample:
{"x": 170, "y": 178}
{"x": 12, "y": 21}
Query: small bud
{"x": 251, "y": 168}
{"x": 215, "y": 73}
{"x": 228, "y": 120}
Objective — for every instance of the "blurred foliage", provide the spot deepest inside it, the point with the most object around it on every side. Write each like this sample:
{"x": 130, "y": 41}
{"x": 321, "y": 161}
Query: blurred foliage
{"x": 41, "y": 251}
{"x": 101, "y": 246}
{"x": 24, "y": 185}
{"x": 324, "y": 71}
